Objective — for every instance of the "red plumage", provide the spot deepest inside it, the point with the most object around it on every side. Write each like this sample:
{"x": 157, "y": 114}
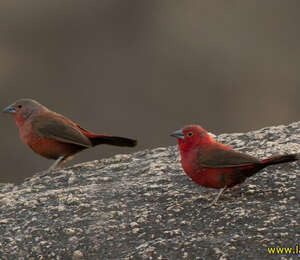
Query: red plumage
{"x": 215, "y": 165}
{"x": 54, "y": 136}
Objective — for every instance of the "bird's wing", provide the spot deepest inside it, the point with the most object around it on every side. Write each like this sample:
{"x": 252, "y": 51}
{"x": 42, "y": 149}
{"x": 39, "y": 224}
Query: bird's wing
{"x": 216, "y": 157}
{"x": 59, "y": 128}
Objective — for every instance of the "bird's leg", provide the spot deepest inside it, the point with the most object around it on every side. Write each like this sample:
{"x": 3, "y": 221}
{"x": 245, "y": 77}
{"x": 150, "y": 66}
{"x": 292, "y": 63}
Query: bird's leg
{"x": 56, "y": 163}
{"x": 216, "y": 199}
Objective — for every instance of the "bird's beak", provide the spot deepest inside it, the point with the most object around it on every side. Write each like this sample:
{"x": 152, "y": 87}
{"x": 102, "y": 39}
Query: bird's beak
{"x": 10, "y": 110}
{"x": 178, "y": 134}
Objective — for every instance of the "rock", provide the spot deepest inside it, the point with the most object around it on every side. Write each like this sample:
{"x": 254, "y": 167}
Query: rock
{"x": 143, "y": 206}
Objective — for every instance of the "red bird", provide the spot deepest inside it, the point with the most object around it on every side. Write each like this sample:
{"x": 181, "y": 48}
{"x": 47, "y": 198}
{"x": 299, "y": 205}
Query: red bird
{"x": 54, "y": 136}
{"x": 215, "y": 165}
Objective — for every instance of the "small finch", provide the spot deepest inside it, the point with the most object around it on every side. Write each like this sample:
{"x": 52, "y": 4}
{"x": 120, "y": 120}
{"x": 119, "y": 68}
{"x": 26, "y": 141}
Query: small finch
{"x": 54, "y": 136}
{"x": 215, "y": 165}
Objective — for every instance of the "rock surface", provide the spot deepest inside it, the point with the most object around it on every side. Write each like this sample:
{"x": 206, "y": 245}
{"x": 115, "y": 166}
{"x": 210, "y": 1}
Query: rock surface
{"x": 143, "y": 206}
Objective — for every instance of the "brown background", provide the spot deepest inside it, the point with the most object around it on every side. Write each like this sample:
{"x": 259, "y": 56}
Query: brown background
{"x": 145, "y": 68}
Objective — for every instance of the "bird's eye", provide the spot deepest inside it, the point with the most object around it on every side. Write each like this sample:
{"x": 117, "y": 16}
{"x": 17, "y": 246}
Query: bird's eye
{"x": 190, "y": 134}
{"x": 19, "y": 106}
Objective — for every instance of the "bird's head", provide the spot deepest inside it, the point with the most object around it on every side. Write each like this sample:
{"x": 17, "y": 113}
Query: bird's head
{"x": 192, "y": 136}
{"x": 23, "y": 109}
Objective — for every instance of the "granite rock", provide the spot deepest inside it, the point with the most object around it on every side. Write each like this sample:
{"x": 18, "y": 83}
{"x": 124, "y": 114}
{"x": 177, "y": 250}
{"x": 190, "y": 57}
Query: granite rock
{"x": 143, "y": 206}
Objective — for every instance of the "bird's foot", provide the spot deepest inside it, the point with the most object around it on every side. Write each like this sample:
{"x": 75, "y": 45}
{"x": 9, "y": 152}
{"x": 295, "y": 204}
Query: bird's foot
{"x": 216, "y": 199}
{"x": 44, "y": 173}
{"x": 209, "y": 205}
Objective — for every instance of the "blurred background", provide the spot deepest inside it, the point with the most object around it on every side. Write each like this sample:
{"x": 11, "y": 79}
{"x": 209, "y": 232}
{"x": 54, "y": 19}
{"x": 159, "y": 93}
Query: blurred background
{"x": 143, "y": 69}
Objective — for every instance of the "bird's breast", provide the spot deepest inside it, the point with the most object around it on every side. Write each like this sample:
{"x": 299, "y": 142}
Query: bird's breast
{"x": 46, "y": 147}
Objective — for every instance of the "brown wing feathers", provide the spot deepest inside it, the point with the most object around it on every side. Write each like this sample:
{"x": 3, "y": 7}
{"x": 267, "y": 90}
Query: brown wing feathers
{"x": 219, "y": 158}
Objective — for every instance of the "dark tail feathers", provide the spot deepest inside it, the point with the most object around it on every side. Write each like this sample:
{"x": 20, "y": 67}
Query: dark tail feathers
{"x": 112, "y": 140}
{"x": 281, "y": 159}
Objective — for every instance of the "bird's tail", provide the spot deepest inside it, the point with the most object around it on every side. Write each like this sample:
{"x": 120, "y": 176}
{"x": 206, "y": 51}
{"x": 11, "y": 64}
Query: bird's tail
{"x": 112, "y": 140}
{"x": 281, "y": 159}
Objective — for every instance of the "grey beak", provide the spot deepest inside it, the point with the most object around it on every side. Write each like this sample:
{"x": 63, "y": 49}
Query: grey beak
{"x": 10, "y": 110}
{"x": 178, "y": 134}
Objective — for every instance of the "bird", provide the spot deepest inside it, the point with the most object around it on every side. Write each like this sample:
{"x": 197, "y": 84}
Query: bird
{"x": 215, "y": 165}
{"x": 54, "y": 136}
